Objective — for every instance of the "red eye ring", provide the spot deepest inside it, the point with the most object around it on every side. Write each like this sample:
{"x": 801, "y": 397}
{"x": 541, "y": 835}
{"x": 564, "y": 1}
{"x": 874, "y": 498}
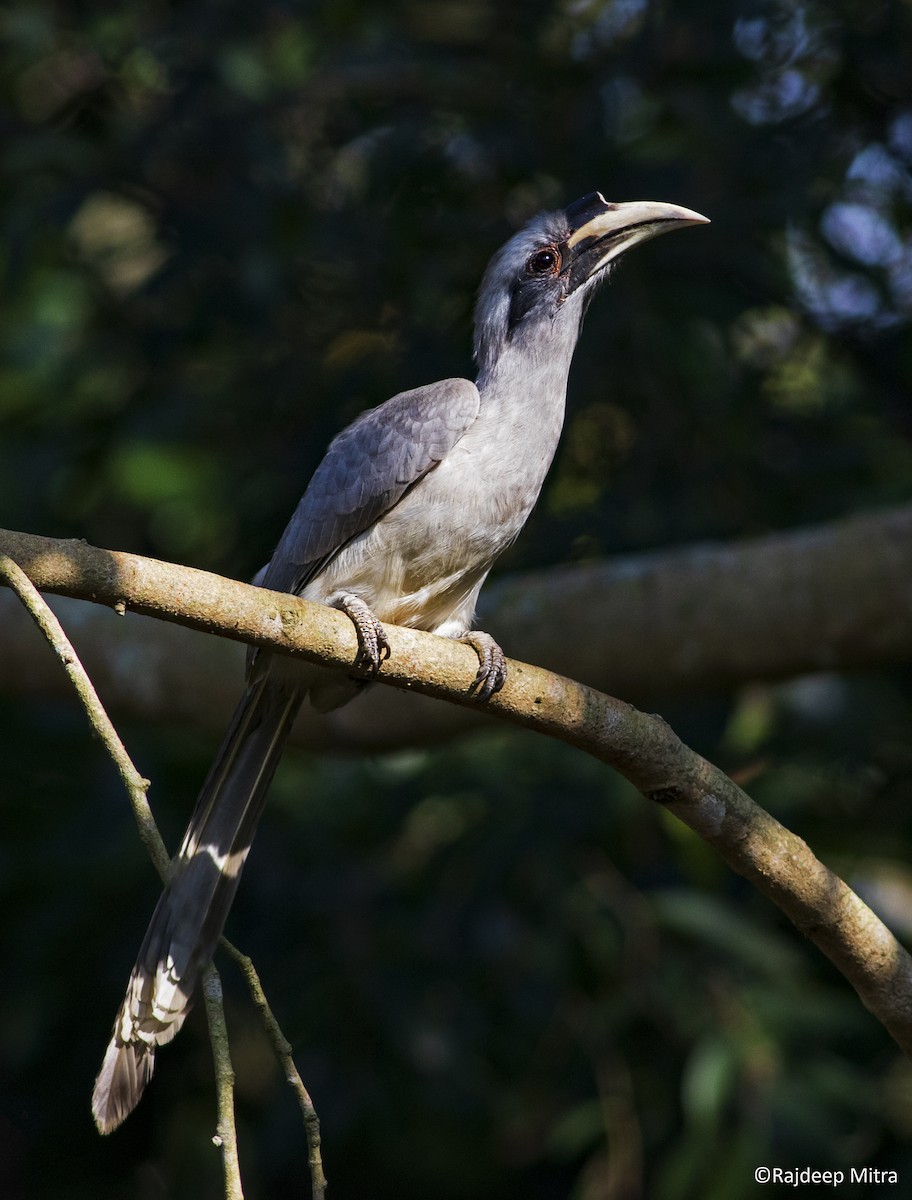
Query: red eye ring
{"x": 546, "y": 261}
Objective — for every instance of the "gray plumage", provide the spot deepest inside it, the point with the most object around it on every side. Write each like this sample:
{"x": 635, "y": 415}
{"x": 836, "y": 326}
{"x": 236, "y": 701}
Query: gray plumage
{"x": 400, "y": 523}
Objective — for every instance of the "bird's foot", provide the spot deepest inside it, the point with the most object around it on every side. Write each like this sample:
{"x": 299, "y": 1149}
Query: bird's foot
{"x": 492, "y": 664}
{"x": 373, "y": 646}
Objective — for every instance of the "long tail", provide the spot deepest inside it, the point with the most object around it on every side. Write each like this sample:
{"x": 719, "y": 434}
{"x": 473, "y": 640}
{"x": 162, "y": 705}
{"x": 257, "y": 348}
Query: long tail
{"x": 190, "y": 915}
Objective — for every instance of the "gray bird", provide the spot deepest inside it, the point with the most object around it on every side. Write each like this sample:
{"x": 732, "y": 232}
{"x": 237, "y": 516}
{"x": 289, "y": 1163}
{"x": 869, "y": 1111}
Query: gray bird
{"x": 400, "y": 523}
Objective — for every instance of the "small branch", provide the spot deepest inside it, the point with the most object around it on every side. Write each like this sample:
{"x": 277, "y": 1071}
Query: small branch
{"x": 226, "y": 1130}
{"x": 283, "y": 1052}
{"x": 137, "y": 789}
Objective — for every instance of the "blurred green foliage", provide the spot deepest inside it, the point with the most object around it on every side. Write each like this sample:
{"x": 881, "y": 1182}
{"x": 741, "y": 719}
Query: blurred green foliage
{"x": 227, "y": 229}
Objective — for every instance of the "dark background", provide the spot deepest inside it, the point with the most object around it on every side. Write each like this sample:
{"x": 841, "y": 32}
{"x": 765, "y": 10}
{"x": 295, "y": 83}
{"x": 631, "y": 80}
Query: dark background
{"x": 227, "y": 228}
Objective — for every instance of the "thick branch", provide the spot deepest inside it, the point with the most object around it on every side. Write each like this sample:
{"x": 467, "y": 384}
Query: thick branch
{"x": 827, "y": 597}
{"x": 831, "y": 597}
{"x": 641, "y": 747}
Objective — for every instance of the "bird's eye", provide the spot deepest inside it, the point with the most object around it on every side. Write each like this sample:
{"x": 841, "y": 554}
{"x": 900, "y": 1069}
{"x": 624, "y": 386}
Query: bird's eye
{"x": 544, "y": 262}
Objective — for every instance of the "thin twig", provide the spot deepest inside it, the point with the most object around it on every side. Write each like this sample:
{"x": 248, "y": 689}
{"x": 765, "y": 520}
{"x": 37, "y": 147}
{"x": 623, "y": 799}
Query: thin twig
{"x": 283, "y": 1051}
{"x": 137, "y": 788}
{"x": 226, "y": 1130}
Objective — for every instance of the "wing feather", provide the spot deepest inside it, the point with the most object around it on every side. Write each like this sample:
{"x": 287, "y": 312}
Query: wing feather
{"x": 367, "y": 470}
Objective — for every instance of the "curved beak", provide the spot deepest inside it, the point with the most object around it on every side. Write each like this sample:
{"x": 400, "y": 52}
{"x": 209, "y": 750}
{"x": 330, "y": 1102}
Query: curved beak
{"x": 600, "y": 230}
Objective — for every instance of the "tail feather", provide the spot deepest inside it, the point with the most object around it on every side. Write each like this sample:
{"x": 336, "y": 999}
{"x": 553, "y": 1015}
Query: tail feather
{"x": 191, "y": 912}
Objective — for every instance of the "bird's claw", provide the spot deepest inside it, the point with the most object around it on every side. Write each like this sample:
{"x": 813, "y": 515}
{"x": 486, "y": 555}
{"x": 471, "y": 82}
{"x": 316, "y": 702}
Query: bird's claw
{"x": 492, "y": 664}
{"x": 373, "y": 644}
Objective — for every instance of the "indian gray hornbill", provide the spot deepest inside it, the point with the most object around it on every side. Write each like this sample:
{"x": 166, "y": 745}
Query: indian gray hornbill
{"x": 400, "y": 523}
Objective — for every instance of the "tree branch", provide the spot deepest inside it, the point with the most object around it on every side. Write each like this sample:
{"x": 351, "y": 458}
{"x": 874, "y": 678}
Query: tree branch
{"x": 283, "y": 1052}
{"x": 829, "y": 597}
{"x": 826, "y": 597}
{"x": 137, "y": 788}
{"x": 226, "y": 1129}
{"x": 642, "y": 747}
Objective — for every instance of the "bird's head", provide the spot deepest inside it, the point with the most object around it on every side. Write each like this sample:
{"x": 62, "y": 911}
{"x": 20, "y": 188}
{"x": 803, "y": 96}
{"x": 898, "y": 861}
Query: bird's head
{"x": 544, "y": 275}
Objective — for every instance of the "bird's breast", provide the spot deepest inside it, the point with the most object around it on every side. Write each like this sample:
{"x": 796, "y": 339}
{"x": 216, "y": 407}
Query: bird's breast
{"x": 423, "y": 563}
